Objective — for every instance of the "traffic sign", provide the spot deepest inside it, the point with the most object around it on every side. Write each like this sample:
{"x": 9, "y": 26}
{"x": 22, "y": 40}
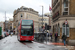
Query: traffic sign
{"x": 66, "y": 22}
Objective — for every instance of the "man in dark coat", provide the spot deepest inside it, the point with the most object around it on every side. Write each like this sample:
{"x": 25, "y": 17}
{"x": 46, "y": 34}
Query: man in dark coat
{"x": 51, "y": 36}
{"x": 56, "y": 36}
{"x": 64, "y": 37}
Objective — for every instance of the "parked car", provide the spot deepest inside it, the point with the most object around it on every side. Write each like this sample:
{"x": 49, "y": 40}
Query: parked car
{"x": 3, "y": 34}
{"x": 7, "y": 34}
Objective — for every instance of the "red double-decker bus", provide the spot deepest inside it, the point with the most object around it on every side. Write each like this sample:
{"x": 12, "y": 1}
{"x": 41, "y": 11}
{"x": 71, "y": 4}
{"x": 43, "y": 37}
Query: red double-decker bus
{"x": 25, "y": 30}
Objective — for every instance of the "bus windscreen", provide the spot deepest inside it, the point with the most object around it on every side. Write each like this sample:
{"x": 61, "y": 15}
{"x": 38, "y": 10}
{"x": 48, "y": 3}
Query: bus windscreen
{"x": 26, "y": 32}
{"x": 27, "y": 28}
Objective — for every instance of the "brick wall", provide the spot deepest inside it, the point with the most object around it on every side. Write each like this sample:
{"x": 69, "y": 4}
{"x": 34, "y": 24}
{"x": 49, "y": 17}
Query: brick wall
{"x": 60, "y": 7}
{"x": 72, "y": 7}
{"x": 72, "y": 34}
{"x": 60, "y": 33}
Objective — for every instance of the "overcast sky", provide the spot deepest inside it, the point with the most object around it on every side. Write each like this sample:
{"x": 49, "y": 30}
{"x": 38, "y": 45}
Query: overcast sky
{"x": 10, "y": 5}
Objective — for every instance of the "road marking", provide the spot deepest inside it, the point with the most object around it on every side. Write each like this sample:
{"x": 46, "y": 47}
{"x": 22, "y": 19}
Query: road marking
{"x": 26, "y": 45}
{"x": 41, "y": 47}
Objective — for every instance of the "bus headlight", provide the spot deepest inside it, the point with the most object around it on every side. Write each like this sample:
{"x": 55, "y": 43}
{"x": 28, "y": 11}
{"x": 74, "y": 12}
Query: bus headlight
{"x": 21, "y": 37}
{"x": 32, "y": 37}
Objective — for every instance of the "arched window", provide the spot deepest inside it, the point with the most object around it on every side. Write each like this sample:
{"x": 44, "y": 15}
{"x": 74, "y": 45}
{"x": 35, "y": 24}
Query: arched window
{"x": 65, "y": 29}
{"x": 21, "y": 15}
{"x": 58, "y": 29}
{"x": 53, "y": 29}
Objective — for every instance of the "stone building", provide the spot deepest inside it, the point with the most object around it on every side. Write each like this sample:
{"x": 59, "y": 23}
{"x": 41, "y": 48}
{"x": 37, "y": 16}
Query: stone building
{"x": 49, "y": 15}
{"x": 6, "y": 25}
{"x": 64, "y": 10}
{"x": 26, "y": 13}
{"x": 45, "y": 20}
{"x": 10, "y": 24}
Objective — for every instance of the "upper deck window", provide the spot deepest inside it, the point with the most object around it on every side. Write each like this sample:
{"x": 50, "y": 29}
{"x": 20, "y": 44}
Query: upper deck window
{"x": 27, "y": 22}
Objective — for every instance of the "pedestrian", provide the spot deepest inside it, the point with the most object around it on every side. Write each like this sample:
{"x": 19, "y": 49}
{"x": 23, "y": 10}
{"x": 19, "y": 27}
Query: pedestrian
{"x": 14, "y": 32}
{"x": 51, "y": 36}
{"x": 43, "y": 37}
{"x": 64, "y": 37}
{"x": 11, "y": 32}
{"x": 47, "y": 36}
{"x": 56, "y": 36}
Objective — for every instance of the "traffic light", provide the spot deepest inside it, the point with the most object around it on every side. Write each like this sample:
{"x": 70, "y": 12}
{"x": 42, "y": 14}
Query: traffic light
{"x": 41, "y": 26}
{"x": 46, "y": 26}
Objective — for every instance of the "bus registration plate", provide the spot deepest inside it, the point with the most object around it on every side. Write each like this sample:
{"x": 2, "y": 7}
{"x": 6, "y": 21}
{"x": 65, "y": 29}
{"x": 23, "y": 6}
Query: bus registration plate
{"x": 26, "y": 40}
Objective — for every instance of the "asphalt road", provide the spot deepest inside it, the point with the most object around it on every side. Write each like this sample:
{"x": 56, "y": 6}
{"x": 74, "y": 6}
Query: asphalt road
{"x": 11, "y": 43}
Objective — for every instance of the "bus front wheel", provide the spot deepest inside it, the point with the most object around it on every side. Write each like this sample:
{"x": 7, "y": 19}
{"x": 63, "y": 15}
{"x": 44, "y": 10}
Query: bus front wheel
{"x": 18, "y": 39}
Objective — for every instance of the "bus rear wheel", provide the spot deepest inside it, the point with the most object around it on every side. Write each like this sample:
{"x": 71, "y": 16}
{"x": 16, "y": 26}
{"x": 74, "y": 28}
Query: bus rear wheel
{"x": 18, "y": 39}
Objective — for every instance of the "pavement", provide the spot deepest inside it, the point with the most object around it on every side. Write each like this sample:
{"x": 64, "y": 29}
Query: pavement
{"x": 59, "y": 44}
{"x": 11, "y": 43}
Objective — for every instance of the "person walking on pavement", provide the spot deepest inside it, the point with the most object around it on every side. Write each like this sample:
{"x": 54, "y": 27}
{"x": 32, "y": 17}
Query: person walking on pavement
{"x": 64, "y": 37}
{"x": 14, "y": 32}
{"x": 11, "y": 32}
{"x": 56, "y": 36}
{"x": 47, "y": 36}
{"x": 43, "y": 37}
{"x": 51, "y": 36}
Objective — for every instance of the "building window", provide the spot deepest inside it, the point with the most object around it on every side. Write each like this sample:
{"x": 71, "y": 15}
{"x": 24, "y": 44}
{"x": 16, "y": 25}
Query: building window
{"x": 65, "y": 7}
{"x": 21, "y": 15}
{"x": 25, "y": 8}
{"x": 65, "y": 13}
{"x": 42, "y": 19}
{"x": 65, "y": 3}
{"x": 65, "y": 29}
{"x": 58, "y": 4}
{"x": 27, "y": 16}
{"x": 55, "y": 2}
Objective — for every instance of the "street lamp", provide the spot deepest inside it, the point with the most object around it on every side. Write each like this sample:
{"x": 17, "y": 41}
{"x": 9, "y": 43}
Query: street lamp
{"x": 5, "y": 20}
{"x": 42, "y": 16}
